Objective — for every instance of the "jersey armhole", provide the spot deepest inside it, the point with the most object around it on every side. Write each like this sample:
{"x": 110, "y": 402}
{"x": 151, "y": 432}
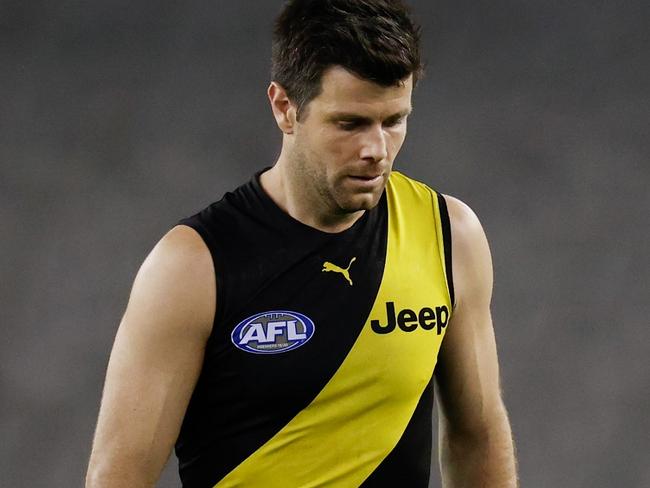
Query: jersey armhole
{"x": 446, "y": 241}
{"x": 217, "y": 264}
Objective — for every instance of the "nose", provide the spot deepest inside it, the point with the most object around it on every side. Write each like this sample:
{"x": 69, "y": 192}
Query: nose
{"x": 374, "y": 146}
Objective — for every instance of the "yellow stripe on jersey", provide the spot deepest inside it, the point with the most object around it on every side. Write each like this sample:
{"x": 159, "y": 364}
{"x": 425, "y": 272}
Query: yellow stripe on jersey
{"x": 341, "y": 437}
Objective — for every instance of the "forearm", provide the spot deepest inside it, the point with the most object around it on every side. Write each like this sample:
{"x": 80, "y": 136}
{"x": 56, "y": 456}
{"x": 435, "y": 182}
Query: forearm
{"x": 105, "y": 475}
{"x": 116, "y": 481}
{"x": 114, "y": 467}
{"x": 482, "y": 458}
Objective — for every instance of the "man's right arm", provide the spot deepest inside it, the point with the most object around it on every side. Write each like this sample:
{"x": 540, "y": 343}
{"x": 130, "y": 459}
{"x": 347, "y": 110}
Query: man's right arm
{"x": 155, "y": 362}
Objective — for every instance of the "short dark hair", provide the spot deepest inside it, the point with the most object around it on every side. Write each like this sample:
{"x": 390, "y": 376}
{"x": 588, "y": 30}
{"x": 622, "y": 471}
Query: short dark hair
{"x": 375, "y": 39}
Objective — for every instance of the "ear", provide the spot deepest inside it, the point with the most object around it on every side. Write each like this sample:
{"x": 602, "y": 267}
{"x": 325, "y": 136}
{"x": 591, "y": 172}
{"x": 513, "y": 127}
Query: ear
{"x": 283, "y": 110}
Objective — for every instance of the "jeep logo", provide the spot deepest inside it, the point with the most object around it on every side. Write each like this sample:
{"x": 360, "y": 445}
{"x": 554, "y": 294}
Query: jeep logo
{"x": 408, "y": 320}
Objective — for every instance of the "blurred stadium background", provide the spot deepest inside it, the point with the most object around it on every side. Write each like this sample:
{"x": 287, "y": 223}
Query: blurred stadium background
{"x": 117, "y": 118}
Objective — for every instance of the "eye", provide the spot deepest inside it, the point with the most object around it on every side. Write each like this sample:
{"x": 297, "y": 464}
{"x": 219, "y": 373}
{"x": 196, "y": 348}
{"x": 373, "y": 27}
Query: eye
{"x": 348, "y": 125}
{"x": 394, "y": 122}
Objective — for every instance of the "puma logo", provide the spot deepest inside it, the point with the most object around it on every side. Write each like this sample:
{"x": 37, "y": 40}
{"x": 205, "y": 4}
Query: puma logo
{"x": 327, "y": 267}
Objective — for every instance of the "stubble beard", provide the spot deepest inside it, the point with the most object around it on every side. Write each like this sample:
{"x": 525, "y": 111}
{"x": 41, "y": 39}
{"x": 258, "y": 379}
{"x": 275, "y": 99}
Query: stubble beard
{"x": 330, "y": 195}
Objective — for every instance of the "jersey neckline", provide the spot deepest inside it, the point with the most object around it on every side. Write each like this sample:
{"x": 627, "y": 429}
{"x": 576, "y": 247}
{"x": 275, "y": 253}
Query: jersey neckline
{"x": 280, "y": 216}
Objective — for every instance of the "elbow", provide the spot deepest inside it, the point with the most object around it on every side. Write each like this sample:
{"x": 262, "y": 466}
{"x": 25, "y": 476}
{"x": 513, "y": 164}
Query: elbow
{"x": 478, "y": 432}
{"x": 102, "y": 474}
{"x": 478, "y": 455}
{"x": 94, "y": 477}
{"x": 457, "y": 443}
{"x": 94, "y": 472}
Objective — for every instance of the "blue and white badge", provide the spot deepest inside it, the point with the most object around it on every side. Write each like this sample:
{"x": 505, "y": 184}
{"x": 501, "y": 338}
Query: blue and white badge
{"x": 273, "y": 332}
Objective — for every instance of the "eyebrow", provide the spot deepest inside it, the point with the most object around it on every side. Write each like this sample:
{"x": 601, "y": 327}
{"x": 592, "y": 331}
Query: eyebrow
{"x": 351, "y": 117}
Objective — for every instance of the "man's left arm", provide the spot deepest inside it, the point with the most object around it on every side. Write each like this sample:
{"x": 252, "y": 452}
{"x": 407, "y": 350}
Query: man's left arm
{"x": 475, "y": 440}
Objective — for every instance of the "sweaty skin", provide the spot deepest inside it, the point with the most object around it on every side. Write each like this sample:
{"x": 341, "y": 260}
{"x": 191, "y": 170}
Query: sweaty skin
{"x": 333, "y": 166}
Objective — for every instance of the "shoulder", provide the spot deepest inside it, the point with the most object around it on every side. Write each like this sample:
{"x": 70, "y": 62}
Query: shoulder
{"x": 177, "y": 281}
{"x": 181, "y": 254}
{"x": 471, "y": 258}
{"x": 465, "y": 223}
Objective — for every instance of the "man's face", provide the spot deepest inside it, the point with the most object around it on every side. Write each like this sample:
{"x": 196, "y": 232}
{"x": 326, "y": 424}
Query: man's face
{"x": 348, "y": 137}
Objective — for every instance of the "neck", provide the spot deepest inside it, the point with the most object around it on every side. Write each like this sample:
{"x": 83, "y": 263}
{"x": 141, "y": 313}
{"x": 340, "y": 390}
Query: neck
{"x": 300, "y": 201}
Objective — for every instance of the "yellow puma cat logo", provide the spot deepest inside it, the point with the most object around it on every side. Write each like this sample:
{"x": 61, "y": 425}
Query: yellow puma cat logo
{"x": 327, "y": 267}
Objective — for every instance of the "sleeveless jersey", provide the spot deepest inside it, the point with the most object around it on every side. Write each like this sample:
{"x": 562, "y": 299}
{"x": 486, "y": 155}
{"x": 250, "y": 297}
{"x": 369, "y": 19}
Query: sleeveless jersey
{"x": 319, "y": 367}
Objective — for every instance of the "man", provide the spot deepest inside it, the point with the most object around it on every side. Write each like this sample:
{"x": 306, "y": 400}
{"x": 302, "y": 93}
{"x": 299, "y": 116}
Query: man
{"x": 287, "y": 335}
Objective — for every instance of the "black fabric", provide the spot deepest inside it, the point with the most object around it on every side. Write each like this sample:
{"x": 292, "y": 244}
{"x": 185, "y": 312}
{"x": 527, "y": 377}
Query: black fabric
{"x": 409, "y": 463}
{"x": 446, "y": 239}
{"x": 264, "y": 261}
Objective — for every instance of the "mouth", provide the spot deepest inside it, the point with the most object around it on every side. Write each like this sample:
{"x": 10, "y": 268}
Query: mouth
{"x": 366, "y": 178}
{"x": 366, "y": 182}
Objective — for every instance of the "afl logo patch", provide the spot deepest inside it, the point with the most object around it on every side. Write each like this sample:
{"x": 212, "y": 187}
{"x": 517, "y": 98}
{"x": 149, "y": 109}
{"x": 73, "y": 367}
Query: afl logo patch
{"x": 273, "y": 332}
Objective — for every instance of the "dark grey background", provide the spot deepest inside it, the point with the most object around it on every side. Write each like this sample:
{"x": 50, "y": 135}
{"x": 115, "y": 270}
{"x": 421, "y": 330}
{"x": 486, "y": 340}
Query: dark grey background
{"x": 119, "y": 117}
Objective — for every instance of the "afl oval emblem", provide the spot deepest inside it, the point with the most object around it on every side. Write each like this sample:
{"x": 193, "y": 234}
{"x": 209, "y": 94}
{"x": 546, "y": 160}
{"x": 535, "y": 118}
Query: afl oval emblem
{"x": 273, "y": 332}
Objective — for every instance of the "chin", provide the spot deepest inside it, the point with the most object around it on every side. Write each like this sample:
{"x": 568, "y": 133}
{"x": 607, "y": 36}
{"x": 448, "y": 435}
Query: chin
{"x": 357, "y": 203}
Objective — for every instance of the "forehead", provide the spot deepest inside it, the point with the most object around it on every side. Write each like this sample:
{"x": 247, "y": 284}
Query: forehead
{"x": 342, "y": 90}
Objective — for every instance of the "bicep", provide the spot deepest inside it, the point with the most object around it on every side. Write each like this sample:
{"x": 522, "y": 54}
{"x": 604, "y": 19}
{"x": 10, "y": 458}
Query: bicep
{"x": 156, "y": 357}
{"x": 467, "y": 375}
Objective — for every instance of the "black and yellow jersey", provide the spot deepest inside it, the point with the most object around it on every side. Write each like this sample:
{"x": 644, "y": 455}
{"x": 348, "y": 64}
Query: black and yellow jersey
{"x": 318, "y": 371}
